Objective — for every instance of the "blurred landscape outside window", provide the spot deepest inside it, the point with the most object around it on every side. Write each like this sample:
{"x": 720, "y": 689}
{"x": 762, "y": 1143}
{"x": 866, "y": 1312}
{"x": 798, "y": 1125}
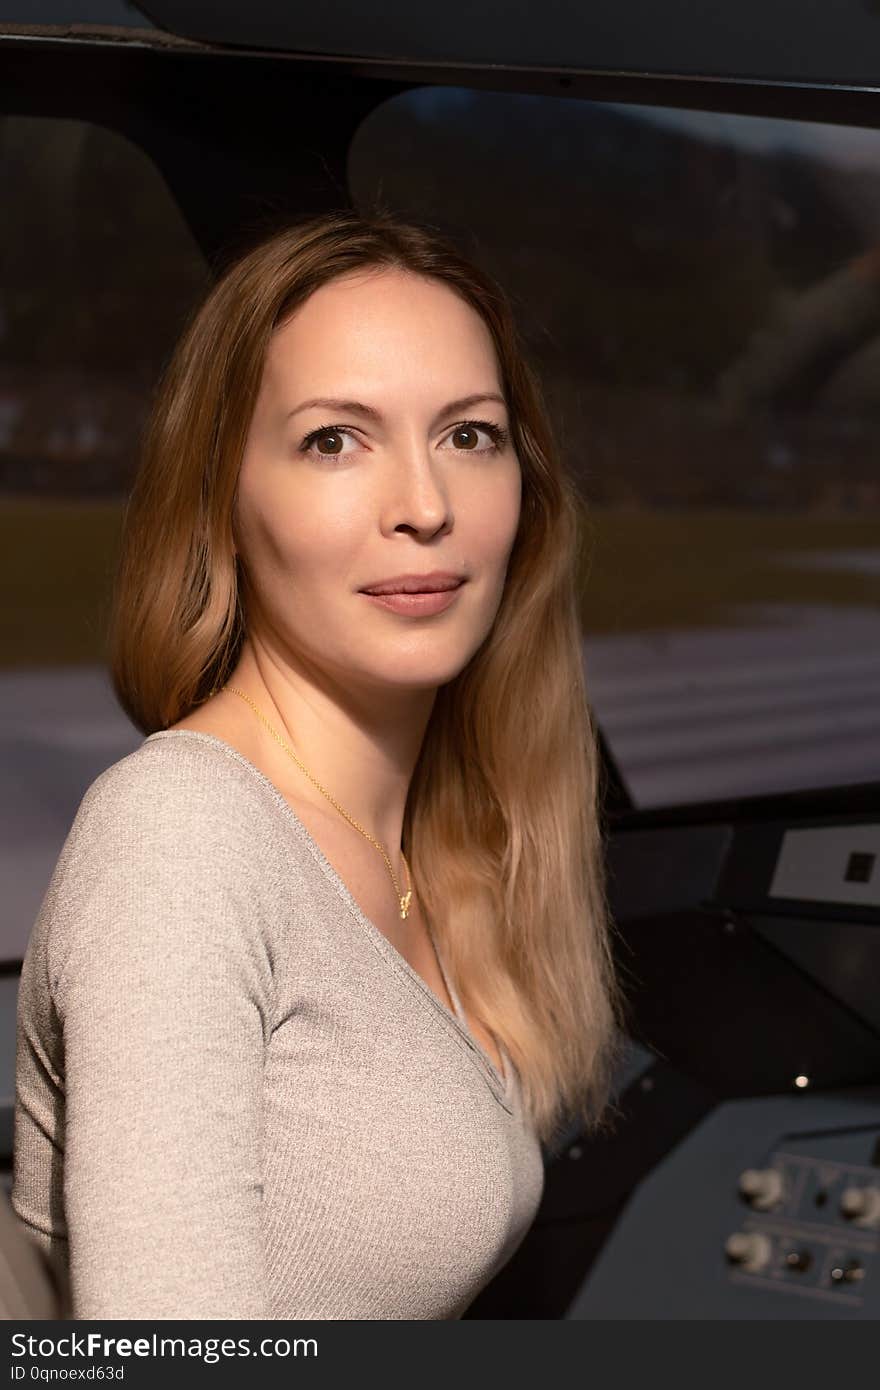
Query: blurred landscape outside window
{"x": 701, "y": 295}
{"x": 98, "y": 272}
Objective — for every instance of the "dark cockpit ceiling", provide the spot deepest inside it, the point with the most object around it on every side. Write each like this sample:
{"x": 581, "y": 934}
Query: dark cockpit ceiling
{"x": 745, "y": 56}
{"x": 763, "y": 40}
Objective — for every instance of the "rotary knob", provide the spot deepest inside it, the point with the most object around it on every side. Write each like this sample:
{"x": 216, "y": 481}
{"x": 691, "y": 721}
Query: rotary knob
{"x": 861, "y": 1205}
{"x": 762, "y": 1187}
{"x": 749, "y": 1249}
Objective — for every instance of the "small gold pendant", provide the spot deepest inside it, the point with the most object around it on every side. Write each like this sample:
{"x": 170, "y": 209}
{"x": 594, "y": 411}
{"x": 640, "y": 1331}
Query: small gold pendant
{"x": 404, "y": 903}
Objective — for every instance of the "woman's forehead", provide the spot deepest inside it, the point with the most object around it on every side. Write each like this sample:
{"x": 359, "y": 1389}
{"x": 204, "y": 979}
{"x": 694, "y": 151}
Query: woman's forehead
{"x": 350, "y": 337}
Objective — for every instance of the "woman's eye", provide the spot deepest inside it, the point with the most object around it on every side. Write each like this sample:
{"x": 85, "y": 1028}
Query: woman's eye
{"x": 322, "y": 436}
{"x": 465, "y": 437}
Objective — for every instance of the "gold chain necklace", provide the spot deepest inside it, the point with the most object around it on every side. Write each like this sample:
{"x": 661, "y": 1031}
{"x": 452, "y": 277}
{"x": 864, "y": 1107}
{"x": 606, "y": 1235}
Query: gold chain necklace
{"x": 404, "y": 897}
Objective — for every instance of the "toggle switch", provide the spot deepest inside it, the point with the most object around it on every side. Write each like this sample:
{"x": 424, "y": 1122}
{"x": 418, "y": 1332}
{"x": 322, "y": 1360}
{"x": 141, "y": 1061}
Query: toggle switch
{"x": 850, "y": 1273}
{"x": 798, "y": 1260}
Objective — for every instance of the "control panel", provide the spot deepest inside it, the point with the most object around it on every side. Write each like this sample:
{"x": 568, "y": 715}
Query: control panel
{"x": 768, "y": 1208}
{"x": 808, "y": 1226}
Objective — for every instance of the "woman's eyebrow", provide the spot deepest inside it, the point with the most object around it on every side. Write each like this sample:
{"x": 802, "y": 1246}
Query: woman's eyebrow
{"x": 358, "y": 408}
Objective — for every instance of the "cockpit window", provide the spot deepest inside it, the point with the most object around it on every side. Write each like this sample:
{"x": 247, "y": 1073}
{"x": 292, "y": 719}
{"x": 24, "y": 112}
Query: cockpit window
{"x": 702, "y": 295}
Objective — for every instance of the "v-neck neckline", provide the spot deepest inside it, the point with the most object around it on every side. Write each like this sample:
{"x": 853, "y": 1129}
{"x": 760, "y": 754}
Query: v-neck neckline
{"x": 501, "y": 1085}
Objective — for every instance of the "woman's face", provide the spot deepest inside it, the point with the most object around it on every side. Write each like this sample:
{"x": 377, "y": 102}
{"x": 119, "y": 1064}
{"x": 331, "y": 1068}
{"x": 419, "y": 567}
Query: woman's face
{"x": 406, "y": 490}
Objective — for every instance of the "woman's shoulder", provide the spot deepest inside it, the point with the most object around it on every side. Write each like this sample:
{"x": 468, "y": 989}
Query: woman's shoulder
{"x": 182, "y": 808}
{"x": 181, "y": 778}
{"x": 169, "y": 847}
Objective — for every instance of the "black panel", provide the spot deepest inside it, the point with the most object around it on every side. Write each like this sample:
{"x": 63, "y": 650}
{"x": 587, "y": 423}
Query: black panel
{"x": 772, "y": 40}
{"x": 652, "y": 871}
{"x": 844, "y": 957}
{"x": 721, "y": 1004}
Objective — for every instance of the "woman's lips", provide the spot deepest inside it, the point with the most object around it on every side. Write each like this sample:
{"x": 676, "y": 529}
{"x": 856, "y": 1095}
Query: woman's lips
{"x": 417, "y": 605}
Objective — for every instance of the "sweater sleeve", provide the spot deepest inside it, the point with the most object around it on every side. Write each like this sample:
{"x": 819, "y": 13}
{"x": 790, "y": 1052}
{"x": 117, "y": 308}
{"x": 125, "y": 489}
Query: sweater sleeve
{"x": 162, "y": 985}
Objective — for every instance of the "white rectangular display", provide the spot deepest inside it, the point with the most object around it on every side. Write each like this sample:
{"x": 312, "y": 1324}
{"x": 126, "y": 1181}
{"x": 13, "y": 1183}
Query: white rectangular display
{"x": 830, "y": 864}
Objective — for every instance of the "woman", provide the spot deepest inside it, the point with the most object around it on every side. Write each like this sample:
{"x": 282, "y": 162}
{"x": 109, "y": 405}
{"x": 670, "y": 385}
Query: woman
{"x": 325, "y": 959}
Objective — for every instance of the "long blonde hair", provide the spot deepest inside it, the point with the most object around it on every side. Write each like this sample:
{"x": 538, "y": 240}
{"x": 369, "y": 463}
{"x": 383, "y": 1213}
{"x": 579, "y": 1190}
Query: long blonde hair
{"x": 502, "y": 823}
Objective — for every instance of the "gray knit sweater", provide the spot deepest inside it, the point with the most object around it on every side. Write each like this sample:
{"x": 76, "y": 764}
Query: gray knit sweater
{"x": 234, "y": 1097}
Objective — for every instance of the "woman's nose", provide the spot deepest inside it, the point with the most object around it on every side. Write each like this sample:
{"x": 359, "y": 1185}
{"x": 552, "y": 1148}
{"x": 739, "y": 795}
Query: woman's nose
{"x": 418, "y": 490}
